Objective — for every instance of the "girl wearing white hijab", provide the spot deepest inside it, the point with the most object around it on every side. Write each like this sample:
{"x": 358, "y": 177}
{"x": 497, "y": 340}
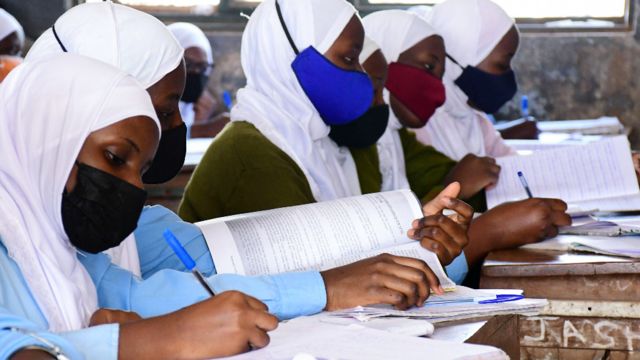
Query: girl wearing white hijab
{"x": 471, "y": 30}
{"x": 277, "y": 151}
{"x": 141, "y": 46}
{"x": 9, "y": 27}
{"x": 50, "y": 109}
{"x": 190, "y": 36}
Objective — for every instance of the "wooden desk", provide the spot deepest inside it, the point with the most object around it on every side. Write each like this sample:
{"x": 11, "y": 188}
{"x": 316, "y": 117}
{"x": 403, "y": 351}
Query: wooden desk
{"x": 496, "y": 331}
{"x": 593, "y": 310}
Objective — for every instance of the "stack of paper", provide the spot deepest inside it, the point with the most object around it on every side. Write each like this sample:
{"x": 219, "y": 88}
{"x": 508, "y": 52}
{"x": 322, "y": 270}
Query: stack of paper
{"x": 605, "y": 125}
{"x": 467, "y": 306}
{"x": 319, "y": 340}
{"x": 627, "y": 246}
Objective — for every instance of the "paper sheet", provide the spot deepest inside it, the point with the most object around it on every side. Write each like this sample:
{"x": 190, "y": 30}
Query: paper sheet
{"x": 597, "y": 170}
{"x": 627, "y": 246}
{"x": 330, "y": 341}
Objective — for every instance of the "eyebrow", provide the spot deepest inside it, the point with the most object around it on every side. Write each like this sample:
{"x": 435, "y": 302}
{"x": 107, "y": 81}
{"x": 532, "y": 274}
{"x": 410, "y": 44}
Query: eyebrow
{"x": 133, "y": 144}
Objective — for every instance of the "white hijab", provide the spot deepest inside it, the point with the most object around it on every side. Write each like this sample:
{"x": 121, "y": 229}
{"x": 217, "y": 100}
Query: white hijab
{"x": 273, "y": 100}
{"x": 8, "y": 25}
{"x": 131, "y": 40}
{"x": 189, "y": 35}
{"x": 395, "y": 31}
{"x": 48, "y": 108}
{"x": 471, "y": 30}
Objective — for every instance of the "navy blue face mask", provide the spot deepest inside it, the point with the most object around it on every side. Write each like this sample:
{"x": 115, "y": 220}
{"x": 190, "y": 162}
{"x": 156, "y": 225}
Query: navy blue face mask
{"x": 487, "y": 92}
{"x": 340, "y": 96}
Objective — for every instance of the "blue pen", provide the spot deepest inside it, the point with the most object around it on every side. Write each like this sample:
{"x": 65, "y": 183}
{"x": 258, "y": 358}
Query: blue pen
{"x": 186, "y": 259}
{"x": 226, "y": 97}
{"x": 524, "y": 106}
{"x": 525, "y": 184}
{"x": 501, "y": 299}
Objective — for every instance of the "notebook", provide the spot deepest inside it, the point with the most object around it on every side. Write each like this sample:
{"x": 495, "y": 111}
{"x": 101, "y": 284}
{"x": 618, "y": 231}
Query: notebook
{"x": 597, "y": 175}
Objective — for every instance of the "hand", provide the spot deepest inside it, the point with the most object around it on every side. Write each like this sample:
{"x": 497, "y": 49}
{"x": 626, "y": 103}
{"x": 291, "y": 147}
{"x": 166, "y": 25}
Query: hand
{"x": 445, "y": 235}
{"x": 527, "y": 129}
{"x": 107, "y": 316}
{"x": 204, "y": 107}
{"x": 514, "y": 224}
{"x": 474, "y": 174}
{"x": 225, "y": 325}
{"x": 385, "y": 279}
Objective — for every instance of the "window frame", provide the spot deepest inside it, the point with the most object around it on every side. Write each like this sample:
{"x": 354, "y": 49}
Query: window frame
{"x": 228, "y": 17}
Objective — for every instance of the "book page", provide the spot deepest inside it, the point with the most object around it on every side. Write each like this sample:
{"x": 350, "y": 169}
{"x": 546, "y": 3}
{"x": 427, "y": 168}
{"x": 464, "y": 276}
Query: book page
{"x": 611, "y": 204}
{"x": 597, "y": 170}
{"x": 308, "y": 236}
{"x": 323, "y": 340}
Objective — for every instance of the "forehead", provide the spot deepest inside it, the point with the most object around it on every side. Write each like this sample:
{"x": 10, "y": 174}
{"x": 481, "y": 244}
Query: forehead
{"x": 353, "y": 33}
{"x": 195, "y": 54}
{"x": 432, "y": 45}
{"x": 376, "y": 64}
{"x": 509, "y": 42}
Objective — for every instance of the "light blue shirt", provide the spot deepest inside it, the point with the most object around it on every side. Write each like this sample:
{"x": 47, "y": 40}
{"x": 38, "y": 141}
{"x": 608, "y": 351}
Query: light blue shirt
{"x": 168, "y": 287}
{"x": 458, "y": 269}
{"x": 22, "y": 323}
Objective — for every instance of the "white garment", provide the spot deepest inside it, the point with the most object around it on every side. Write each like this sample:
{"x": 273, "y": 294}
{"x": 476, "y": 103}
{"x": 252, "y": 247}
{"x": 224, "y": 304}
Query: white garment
{"x": 368, "y": 49}
{"x": 273, "y": 100}
{"x": 395, "y": 31}
{"x": 131, "y": 40}
{"x": 134, "y": 41}
{"x": 8, "y": 25}
{"x": 48, "y": 108}
{"x": 189, "y": 35}
{"x": 471, "y": 30}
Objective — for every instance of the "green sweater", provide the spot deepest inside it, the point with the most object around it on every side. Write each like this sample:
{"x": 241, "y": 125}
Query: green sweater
{"x": 242, "y": 171}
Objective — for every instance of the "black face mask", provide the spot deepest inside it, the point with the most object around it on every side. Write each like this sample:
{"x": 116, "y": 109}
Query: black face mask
{"x": 194, "y": 87}
{"x": 487, "y": 92}
{"x": 364, "y": 131}
{"x": 169, "y": 157}
{"x": 101, "y": 211}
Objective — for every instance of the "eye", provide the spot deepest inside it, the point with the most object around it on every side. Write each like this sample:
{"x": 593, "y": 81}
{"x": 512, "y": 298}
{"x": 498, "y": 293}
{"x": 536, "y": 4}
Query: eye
{"x": 348, "y": 59}
{"x": 114, "y": 159}
{"x": 430, "y": 67}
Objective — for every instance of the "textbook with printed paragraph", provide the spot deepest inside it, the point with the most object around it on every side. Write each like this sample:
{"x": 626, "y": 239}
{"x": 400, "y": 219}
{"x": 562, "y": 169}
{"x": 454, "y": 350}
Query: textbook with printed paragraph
{"x": 319, "y": 236}
{"x": 599, "y": 175}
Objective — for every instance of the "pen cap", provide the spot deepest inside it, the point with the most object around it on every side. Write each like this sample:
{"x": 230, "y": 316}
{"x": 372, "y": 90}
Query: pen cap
{"x": 179, "y": 250}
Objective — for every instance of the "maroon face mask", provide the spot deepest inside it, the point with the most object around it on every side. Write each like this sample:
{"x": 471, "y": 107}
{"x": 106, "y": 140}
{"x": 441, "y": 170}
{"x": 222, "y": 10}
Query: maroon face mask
{"x": 418, "y": 90}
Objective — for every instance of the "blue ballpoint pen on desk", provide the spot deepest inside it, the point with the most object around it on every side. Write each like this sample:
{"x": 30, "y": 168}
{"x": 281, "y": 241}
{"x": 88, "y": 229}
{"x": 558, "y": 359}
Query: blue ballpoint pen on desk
{"x": 186, "y": 259}
{"x": 525, "y": 184}
{"x": 501, "y": 299}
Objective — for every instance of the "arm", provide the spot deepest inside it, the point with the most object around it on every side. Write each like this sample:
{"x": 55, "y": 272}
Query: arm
{"x": 17, "y": 333}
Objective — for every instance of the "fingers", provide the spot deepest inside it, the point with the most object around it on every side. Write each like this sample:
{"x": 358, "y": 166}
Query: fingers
{"x": 432, "y": 280}
{"x": 394, "y": 278}
{"x": 383, "y": 295}
{"x": 265, "y": 321}
{"x": 258, "y": 338}
{"x": 556, "y": 204}
{"x": 256, "y": 304}
{"x": 443, "y": 200}
{"x": 453, "y": 230}
{"x": 464, "y": 212}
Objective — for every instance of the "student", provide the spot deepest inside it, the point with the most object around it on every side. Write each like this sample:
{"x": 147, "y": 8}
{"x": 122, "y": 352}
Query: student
{"x": 278, "y": 150}
{"x": 197, "y": 104}
{"x": 75, "y": 137}
{"x": 287, "y": 295}
{"x": 11, "y": 35}
{"x": 481, "y": 41}
{"x": 410, "y": 82}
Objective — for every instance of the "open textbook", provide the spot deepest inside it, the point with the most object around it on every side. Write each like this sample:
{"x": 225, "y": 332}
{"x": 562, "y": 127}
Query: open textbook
{"x": 319, "y": 236}
{"x": 599, "y": 175}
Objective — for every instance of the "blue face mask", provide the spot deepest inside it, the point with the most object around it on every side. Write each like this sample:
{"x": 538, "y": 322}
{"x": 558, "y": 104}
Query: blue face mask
{"x": 340, "y": 96}
{"x": 488, "y": 92}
